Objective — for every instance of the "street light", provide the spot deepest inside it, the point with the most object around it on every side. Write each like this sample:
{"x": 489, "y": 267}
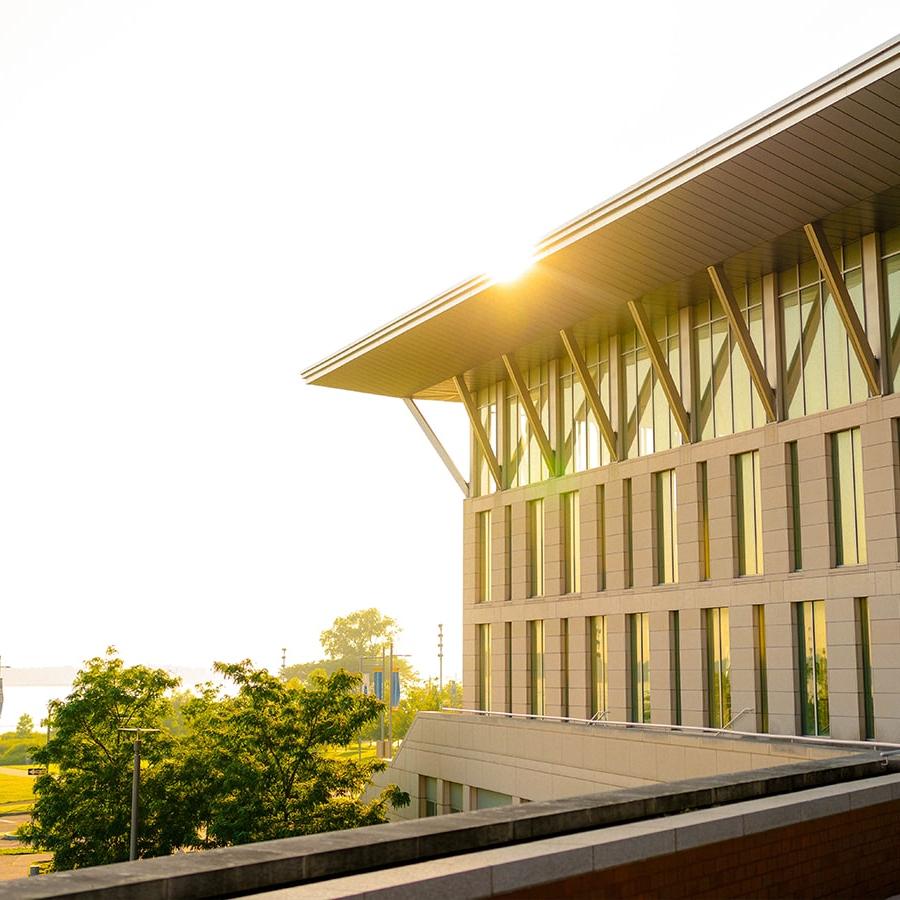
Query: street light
{"x": 135, "y": 782}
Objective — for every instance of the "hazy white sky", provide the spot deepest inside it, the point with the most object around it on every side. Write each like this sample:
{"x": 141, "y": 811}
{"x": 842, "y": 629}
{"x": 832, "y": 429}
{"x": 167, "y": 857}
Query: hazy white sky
{"x": 199, "y": 199}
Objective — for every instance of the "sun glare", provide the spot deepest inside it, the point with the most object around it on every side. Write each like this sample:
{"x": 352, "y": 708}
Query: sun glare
{"x": 511, "y": 265}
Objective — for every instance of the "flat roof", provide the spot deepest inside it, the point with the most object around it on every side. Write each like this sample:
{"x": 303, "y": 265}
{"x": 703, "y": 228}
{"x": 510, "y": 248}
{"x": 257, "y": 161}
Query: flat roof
{"x": 829, "y": 152}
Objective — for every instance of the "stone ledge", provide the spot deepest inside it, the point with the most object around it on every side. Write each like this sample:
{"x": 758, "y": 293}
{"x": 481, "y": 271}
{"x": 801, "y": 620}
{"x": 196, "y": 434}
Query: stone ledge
{"x": 294, "y": 861}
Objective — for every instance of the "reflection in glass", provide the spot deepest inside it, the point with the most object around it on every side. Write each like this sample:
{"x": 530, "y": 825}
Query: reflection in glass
{"x": 813, "y": 659}
{"x": 718, "y": 667}
{"x": 639, "y": 626}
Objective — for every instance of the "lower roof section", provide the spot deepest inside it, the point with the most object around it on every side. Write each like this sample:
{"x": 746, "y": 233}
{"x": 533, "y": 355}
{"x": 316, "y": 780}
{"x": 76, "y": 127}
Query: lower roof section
{"x": 830, "y": 152}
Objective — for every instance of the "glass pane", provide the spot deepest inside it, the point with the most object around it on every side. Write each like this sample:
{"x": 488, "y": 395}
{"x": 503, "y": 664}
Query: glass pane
{"x": 706, "y": 424}
{"x": 859, "y": 504}
{"x": 806, "y": 653}
{"x": 822, "y": 718}
{"x": 836, "y": 352}
{"x": 644, "y": 404}
{"x": 813, "y": 350}
{"x": 793, "y": 357}
{"x": 859, "y": 390}
{"x": 721, "y": 378}
{"x": 892, "y": 292}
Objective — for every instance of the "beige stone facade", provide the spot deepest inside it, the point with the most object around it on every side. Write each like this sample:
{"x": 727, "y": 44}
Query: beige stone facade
{"x": 777, "y": 589}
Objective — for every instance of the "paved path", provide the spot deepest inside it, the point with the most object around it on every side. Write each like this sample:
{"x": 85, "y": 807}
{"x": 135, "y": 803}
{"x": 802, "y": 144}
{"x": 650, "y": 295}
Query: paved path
{"x": 9, "y": 770}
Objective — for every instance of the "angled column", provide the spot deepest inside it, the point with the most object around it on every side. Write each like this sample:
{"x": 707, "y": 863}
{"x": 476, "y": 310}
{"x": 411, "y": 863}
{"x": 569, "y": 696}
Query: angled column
{"x": 534, "y": 420}
{"x": 725, "y": 293}
{"x": 438, "y": 446}
{"x": 815, "y": 234}
{"x": 576, "y": 357}
{"x": 484, "y": 443}
{"x": 661, "y": 368}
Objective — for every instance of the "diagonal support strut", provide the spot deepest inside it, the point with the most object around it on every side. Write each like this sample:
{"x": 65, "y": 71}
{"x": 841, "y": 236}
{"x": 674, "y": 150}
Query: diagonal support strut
{"x": 534, "y": 420}
{"x": 725, "y": 293}
{"x": 576, "y": 357}
{"x": 435, "y": 442}
{"x": 661, "y": 368}
{"x": 815, "y": 234}
{"x": 481, "y": 437}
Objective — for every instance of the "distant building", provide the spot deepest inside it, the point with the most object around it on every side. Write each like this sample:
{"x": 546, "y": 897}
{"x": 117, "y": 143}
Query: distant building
{"x": 684, "y": 507}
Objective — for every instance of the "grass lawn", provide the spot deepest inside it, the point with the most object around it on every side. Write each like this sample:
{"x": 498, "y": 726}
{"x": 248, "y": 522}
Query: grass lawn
{"x": 15, "y": 789}
{"x": 352, "y": 751}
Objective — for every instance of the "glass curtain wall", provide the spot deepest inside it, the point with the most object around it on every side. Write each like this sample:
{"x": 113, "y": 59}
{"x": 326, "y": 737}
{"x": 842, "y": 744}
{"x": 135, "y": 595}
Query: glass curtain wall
{"x": 813, "y": 658}
{"x": 649, "y": 423}
{"x": 486, "y": 399}
{"x": 599, "y": 682}
{"x": 890, "y": 248}
{"x": 821, "y": 369}
{"x": 847, "y": 496}
{"x": 726, "y": 399}
{"x": 718, "y": 666}
{"x": 749, "y": 513}
{"x": 536, "y": 692}
{"x": 666, "y": 527}
{"x": 582, "y": 445}
{"x": 524, "y": 463}
{"x": 639, "y": 638}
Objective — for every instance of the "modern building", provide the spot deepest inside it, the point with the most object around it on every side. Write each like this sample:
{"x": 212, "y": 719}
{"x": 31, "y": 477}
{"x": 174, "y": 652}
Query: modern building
{"x": 684, "y": 502}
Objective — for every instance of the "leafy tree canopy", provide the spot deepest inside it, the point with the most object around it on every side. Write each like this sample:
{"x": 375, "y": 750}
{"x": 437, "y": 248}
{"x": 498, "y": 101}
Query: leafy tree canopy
{"x": 82, "y": 815}
{"x": 360, "y": 633}
{"x": 222, "y": 769}
{"x": 25, "y": 726}
{"x": 260, "y": 758}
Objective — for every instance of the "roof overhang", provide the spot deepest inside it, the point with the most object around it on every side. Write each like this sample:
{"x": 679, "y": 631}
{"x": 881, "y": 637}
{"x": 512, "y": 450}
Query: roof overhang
{"x": 830, "y": 152}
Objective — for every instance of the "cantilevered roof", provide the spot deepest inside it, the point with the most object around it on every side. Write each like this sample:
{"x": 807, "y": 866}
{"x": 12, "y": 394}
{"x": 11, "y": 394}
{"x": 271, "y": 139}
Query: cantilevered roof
{"x": 831, "y": 152}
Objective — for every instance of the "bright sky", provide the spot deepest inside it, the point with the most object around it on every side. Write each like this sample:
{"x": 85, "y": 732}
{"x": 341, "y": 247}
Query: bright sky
{"x": 199, "y": 199}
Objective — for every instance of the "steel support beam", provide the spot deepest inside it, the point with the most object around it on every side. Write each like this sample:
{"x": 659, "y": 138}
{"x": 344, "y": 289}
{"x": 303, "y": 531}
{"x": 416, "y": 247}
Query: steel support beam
{"x": 815, "y": 234}
{"x": 661, "y": 368}
{"x": 435, "y": 442}
{"x": 725, "y": 293}
{"x": 576, "y": 357}
{"x": 534, "y": 420}
{"x": 481, "y": 437}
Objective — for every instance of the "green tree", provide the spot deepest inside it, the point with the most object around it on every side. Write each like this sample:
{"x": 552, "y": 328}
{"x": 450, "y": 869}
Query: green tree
{"x": 25, "y": 726}
{"x": 82, "y": 814}
{"x": 426, "y": 697}
{"x": 258, "y": 765}
{"x": 360, "y": 633}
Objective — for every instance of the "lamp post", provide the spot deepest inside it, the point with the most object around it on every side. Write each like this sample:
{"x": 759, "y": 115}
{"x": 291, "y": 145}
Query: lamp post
{"x": 135, "y": 783}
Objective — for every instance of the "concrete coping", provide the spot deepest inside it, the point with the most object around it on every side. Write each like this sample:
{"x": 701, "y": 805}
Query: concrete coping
{"x": 294, "y": 861}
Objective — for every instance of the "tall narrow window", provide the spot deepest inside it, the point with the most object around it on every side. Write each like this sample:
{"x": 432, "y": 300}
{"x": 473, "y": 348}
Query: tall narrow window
{"x": 571, "y": 543}
{"x": 749, "y": 513}
{"x": 718, "y": 667}
{"x": 429, "y": 793}
{"x": 582, "y": 446}
{"x": 601, "y": 537}
{"x": 639, "y": 627}
{"x": 507, "y": 550}
{"x": 628, "y": 536}
{"x": 890, "y": 248}
{"x": 704, "y": 522}
{"x": 508, "y": 659}
{"x": 666, "y": 528}
{"x": 762, "y": 674}
{"x": 675, "y": 629}
{"x": 484, "y": 667}
{"x": 536, "y": 705}
{"x": 796, "y": 531}
{"x": 599, "y": 685}
{"x": 487, "y": 412}
{"x": 535, "y": 548}
{"x": 867, "y": 703}
{"x": 813, "y": 658}
{"x": 484, "y": 556}
{"x": 847, "y": 493}
{"x": 564, "y": 667}
{"x": 454, "y": 796}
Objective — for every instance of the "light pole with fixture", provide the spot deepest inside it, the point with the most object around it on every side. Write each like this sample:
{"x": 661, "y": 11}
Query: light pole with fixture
{"x": 135, "y": 783}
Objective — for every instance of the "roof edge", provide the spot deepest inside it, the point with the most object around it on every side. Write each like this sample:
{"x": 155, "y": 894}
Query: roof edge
{"x": 853, "y": 76}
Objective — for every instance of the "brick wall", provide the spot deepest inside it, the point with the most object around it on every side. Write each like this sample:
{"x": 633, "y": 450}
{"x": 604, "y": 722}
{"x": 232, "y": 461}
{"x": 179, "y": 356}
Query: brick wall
{"x": 852, "y": 854}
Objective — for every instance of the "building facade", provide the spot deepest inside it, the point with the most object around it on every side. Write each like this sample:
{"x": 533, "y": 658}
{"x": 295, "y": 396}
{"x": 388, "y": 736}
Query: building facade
{"x": 684, "y": 502}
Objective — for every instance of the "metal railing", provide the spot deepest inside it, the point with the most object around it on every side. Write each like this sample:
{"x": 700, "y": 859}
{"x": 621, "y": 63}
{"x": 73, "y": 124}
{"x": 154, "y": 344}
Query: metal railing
{"x": 886, "y": 748}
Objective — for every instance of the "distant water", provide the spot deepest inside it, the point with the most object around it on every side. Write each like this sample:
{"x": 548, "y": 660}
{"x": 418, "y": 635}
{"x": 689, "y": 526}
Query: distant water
{"x": 30, "y": 699}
